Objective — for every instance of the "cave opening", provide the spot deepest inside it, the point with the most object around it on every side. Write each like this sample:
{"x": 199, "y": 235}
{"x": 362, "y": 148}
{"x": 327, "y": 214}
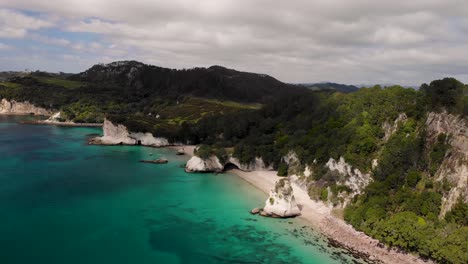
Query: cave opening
{"x": 230, "y": 166}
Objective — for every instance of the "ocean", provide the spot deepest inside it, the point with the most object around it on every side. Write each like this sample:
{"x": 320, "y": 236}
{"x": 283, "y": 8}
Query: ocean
{"x": 63, "y": 201}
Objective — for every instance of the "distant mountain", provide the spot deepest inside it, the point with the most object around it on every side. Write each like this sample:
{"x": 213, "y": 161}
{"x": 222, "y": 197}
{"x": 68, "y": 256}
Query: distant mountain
{"x": 331, "y": 86}
{"x": 213, "y": 82}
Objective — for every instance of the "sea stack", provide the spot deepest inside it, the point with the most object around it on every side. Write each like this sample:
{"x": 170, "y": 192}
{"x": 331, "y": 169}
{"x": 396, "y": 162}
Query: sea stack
{"x": 281, "y": 202}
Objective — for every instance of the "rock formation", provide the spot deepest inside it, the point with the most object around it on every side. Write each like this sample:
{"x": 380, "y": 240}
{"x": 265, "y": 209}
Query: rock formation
{"x": 119, "y": 135}
{"x": 214, "y": 164}
{"x": 22, "y": 108}
{"x": 391, "y": 128}
{"x": 197, "y": 164}
{"x": 454, "y": 167}
{"x": 352, "y": 177}
{"x": 281, "y": 202}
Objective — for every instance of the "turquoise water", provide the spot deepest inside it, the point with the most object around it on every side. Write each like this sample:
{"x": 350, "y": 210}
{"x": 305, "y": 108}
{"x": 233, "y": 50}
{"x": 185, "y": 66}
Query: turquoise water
{"x": 62, "y": 201}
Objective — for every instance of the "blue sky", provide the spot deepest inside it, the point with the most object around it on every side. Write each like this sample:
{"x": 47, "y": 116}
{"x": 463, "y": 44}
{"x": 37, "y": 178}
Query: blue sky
{"x": 354, "y": 42}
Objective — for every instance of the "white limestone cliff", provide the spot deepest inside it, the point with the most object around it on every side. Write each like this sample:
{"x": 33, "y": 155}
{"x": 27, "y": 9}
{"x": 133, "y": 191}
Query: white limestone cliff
{"x": 256, "y": 165}
{"x": 454, "y": 167}
{"x": 391, "y": 128}
{"x": 22, "y": 108}
{"x": 353, "y": 177}
{"x": 119, "y": 134}
{"x": 281, "y": 202}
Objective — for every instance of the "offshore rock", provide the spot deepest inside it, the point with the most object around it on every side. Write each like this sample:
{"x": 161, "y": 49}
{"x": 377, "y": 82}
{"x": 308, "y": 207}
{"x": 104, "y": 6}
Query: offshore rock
{"x": 281, "y": 202}
{"x": 197, "y": 164}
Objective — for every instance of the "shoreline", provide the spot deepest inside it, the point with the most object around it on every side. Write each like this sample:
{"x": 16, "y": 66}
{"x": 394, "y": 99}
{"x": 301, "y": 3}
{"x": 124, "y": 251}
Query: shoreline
{"x": 64, "y": 124}
{"x": 335, "y": 229}
{"x": 320, "y": 217}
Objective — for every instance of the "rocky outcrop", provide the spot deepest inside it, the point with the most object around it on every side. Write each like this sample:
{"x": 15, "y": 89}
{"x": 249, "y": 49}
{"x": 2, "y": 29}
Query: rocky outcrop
{"x": 55, "y": 117}
{"x": 390, "y": 128}
{"x": 281, "y": 202}
{"x": 352, "y": 177}
{"x": 21, "y": 108}
{"x": 454, "y": 167}
{"x": 256, "y": 165}
{"x": 119, "y": 135}
{"x": 197, "y": 164}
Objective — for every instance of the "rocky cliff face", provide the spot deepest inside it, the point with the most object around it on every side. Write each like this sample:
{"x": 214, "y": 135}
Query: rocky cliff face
{"x": 255, "y": 165}
{"x": 281, "y": 202}
{"x": 214, "y": 164}
{"x": 13, "y": 107}
{"x": 391, "y": 128}
{"x": 454, "y": 167}
{"x": 119, "y": 135}
{"x": 353, "y": 177}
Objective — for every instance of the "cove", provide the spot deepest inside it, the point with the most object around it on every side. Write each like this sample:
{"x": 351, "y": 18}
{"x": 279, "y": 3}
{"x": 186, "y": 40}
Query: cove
{"x": 63, "y": 201}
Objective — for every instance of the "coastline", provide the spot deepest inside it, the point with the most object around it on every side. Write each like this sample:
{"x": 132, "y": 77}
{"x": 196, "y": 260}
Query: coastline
{"x": 319, "y": 216}
{"x": 64, "y": 124}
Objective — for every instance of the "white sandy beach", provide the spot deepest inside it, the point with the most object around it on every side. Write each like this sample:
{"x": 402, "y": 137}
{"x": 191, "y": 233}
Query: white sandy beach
{"x": 321, "y": 219}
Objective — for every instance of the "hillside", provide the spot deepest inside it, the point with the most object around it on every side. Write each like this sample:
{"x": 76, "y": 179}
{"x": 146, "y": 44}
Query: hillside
{"x": 145, "y": 97}
{"x": 324, "y": 86}
{"x": 214, "y": 82}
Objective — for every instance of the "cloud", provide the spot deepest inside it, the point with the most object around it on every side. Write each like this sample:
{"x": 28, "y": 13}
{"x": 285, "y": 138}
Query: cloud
{"x": 360, "y": 41}
{"x": 16, "y": 25}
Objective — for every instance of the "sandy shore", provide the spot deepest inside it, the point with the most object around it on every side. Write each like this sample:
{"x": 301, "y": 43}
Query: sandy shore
{"x": 321, "y": 219}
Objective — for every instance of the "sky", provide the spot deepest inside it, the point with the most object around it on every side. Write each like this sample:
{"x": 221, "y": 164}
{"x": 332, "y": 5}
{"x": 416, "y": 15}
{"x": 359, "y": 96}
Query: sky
{"x": 353, "y": 42}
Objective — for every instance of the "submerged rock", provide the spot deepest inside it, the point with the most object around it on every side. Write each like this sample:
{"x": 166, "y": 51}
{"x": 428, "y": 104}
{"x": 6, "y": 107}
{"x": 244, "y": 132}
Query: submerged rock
{"x": 156, "y": 161}
{"x": 256, "y": 210}
{"x": 281, "y": 202}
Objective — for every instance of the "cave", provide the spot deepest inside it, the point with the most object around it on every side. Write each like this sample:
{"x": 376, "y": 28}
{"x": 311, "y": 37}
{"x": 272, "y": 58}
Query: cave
{"x": 139, "y": 143}
{"x": 230, "y": 166}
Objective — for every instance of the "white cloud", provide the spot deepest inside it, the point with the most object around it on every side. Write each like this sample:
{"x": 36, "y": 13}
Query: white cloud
{"x": 16, "y": 25}
{"x": 360, "y": 41}
{"x": 51, "y": 40}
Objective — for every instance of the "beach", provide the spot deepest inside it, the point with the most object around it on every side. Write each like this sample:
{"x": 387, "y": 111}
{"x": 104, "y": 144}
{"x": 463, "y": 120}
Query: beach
{"x": 321, "y": 219}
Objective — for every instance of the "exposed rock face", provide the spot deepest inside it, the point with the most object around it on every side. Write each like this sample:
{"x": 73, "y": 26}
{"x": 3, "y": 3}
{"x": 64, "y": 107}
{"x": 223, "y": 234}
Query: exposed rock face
{"x": 119, "y": 134}
{"x": 256, "y": 165}
{"x": 294, "y": 164}
{"x": 213, "y": 164}
{"x": 390, "y": 128}
{"x": 353, "y": 178}
{"x": 454, "y": 167}
{"x": 55, "y": 117}
{"x": 197, "y": 164}
{"x": 281, "y": 202}
{"x": 13, "y": 107}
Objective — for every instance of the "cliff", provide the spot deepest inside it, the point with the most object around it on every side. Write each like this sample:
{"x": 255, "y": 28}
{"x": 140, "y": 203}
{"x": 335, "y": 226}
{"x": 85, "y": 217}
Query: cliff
{"x": 454, "y": 167}
{"x": 215, "y": 164}
{"x": 119, "y": 135}
{"x": 281, "y": 202}
{"x": 21, "y": 108}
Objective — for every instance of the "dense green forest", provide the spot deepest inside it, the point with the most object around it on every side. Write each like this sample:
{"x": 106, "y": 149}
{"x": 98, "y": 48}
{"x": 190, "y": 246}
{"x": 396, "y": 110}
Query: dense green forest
{"x": 252, "y": 115}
